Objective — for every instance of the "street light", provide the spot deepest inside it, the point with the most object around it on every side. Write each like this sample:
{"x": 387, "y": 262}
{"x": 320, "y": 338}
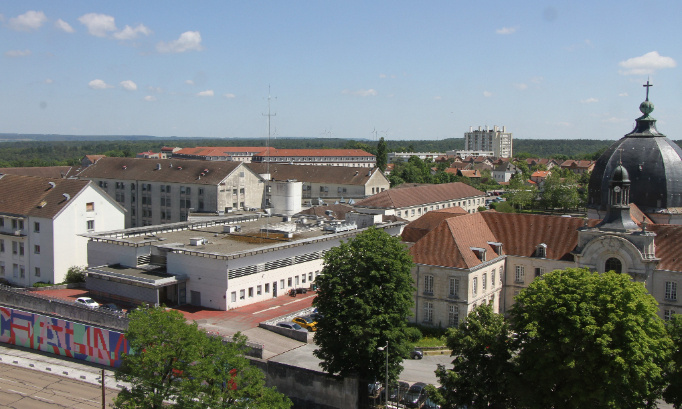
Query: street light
{"x": 386, "y": 386}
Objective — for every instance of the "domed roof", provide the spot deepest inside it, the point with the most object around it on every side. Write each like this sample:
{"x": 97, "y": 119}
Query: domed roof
{"x": 652, "y": 161}
{"x": 620, "y": 175}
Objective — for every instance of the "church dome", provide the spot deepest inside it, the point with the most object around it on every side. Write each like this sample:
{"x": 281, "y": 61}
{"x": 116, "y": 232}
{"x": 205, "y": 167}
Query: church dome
{"x": 620, "y": 175}
{"x": 651, "y": 160}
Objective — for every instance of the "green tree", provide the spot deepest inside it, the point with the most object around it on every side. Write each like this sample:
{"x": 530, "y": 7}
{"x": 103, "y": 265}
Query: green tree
{"x": 589, "y": 340}
{"x": 75, "y": 274}
{"x": 173, "y": 361}
{"x": 482, "y": 366}
{"x": 382, "y": 154}
{"x": 673, "y": 392}
{"x": 365, "y": 297}
{"x": 519, "y": 194}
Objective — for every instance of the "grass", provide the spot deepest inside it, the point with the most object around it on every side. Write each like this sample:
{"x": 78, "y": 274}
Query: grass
{"x": 430, "y": 342}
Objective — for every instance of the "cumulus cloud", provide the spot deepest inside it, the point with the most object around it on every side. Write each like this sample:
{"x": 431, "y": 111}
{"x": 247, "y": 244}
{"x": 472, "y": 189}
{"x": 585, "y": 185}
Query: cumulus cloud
{"x": 646, "y": 64}
{"x": 31, "y": 20}
{"x": 17, "y": 53}
{"x": 150, "y": 98}
{"x": 129, "y": 85}
{"x": 99, "y": 84}
{"x": 188, "y": 41}
{"x": 506, "y": 30}
{"x": 520, "y": 86}
{"x": 129, "y": 33}
{"x": 64, "y": 26}
{"x": 589, "y": 101}
{"x": 207, "y": 93}
{"x": 98, "y": 25}
{"x": 487, "y": 94}
{"x": 229, "y": 96}
{"x": 189, "y": 82}
{"x": 361, "y": 92}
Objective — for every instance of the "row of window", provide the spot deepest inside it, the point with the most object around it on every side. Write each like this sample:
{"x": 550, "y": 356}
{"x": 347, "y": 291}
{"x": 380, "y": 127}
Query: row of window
{"x": 418, "y": 211}
{"x": 147, "y": 187}
{"x": 18, "y": 270}
{"x": 17, "y": 224}
{"x": 453, "y": 284}
{"x": 291, "y": 282}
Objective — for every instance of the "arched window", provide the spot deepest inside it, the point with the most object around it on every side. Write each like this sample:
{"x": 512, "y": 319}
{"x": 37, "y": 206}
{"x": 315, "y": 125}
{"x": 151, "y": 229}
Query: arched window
{"x": 613, "y": 264}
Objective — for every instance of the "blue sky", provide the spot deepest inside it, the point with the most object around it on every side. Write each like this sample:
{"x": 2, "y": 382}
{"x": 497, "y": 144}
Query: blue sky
{"x": 407, "y": 69}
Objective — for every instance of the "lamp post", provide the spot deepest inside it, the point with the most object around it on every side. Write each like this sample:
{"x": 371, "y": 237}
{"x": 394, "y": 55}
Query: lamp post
{"x": 386, "y": 386}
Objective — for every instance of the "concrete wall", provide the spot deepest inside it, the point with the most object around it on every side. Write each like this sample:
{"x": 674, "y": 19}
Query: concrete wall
{"x": 125, "y": 292}
{"x": 289, "y": 333}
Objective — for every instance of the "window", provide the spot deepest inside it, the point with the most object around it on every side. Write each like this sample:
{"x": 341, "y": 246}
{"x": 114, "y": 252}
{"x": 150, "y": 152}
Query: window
{"x": 613, "y": 264}
{"x": 474, "y": 286}
{"x": 519, "y": 276}
{"x": 310, "y": 276}
{"x": 267, "y": 288}
{"x": 2, "y": 222}
{"x": 22, "y": 272}
{"x": 2, "y": 268}
{"x": 303, "y": 278}
{"x": 668, "y": 314}
{"x": 453, "y": 315}
{"x": 484, "y": 281}
{"x": 36, "y": 249}
{"x": 201, "y": 191}
{"x": 15, "y": 247}
{"x": 454, "y": 287}
{"x": 428, "y": 312}
{"x": 492, "y": 278}
{"x": 15, "y": 270}
{"x": 250, "y": 292}
{"x": 259, "y": 290}
{"x": 2, "y": 246}
{"x": 281, "y": 284}
{"x": 241, "y": 191}
{"x": 36, "y": 227}
{"x": 90, "y": 207}
{"x": 671, "y": 290}
{"x": 296, "y": 279}
{"x": 242, "y": 294}
{"x": 233, "y": 296}
{"x": 289, "y": 282}
{"x": 428, "y": 284}
{"x": 539, "y": 271}
{"x": 37, "y": 272}
{"x": 91, "y": 225}
{"x": 234, "y": 191}
{"x": 542, "y": 250}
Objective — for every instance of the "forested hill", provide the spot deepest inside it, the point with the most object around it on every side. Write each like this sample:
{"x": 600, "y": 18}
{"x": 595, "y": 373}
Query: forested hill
{"x": 50, "y": 150}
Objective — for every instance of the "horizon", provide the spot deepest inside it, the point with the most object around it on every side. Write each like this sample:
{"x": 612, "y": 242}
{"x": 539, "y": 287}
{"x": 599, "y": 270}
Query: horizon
{"x": 342, "y": 70}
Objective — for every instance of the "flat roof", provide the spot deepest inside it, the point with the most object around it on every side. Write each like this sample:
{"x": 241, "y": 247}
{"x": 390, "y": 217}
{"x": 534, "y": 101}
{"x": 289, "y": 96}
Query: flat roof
{"x": 155, "y": 277}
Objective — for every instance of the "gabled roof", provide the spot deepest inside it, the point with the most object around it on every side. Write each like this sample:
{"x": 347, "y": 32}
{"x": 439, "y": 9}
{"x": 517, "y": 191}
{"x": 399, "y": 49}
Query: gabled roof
{"x": 429, "y": 221}
{"x": 170, "y": 170}
{"x": 668, "y": 246}
{"x": 35, "y": 196}
{"x": 314, "y": 152}
{"x": 56, "y": 172}
{"x": 540, "y": 174}
{"x": 95, "y": 158}
{"x": 343, "y": 175}
{"x": 420, "y": 195}
{"x": 469, "y": 173}
{"x": 218, "y": 150}
{"x": 582, "y": 164}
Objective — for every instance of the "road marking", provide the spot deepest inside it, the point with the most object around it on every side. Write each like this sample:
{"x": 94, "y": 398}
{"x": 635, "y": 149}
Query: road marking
{"x": 267, "y": 309}
{"x": 20, "y": 393}
{"x": 291, "y": 302}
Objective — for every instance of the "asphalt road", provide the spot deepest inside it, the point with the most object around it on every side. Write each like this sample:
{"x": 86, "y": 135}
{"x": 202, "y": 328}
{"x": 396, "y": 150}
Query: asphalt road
{"x": 23, "y": 388}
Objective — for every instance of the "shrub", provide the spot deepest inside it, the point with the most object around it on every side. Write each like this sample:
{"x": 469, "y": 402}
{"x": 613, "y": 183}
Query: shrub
{"x": 41, "y": 284}
{"x": 75, "y": 274}
{"x": 413, "y": 334}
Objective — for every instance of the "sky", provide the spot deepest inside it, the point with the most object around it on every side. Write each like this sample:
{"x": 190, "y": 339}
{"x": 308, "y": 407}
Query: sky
{"x": 418, "y": 70}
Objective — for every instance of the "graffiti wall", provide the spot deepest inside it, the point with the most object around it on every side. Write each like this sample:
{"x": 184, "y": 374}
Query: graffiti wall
{"x": 62, "y": 337}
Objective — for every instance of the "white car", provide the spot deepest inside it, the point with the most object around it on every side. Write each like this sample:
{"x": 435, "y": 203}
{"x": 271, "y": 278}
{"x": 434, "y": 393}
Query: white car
{"x": 88, "y": 302}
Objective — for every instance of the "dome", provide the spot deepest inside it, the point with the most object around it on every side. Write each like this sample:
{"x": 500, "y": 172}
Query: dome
{"x": 651, "y": 160}
{"x": 620, "y": 175}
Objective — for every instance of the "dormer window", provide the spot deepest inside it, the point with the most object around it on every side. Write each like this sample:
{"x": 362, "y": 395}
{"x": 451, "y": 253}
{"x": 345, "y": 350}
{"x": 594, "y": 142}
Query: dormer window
{"x": 541, "y": 250}
{"x": 479, "y": 252}
{"x": 497, "y": 247}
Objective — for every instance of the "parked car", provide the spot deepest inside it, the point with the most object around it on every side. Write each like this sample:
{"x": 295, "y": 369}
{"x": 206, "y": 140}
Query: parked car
{"x": 88, "y": 302}
{"x": 415, "y": 396}
{"x": 291, "y": 325}
{"x": 112, "y": 308}
{"x": 397, "y": 391}
{"x": 416, "y": 354}
{"x": 307, "y": 322}
{"x": 375, "y": 389}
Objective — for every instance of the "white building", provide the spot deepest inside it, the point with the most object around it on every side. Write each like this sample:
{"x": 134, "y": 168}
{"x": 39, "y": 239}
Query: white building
{"x": 41, "y": 220}
{"x": 326, "y": 157}
{"x": 496, "y": 140}
{"x": 221, "y": 263}
{"x": 405, "y": 156}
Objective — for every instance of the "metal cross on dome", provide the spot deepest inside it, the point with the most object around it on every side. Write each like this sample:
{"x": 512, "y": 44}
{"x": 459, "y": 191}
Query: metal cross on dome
{"x": 647, "y": 85}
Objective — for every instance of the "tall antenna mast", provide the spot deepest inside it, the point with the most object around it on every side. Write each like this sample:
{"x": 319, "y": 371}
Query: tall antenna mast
{"x": 267, "y": 155}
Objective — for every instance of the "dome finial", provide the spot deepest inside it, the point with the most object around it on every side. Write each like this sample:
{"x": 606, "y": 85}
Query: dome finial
{"x": 647, "y": 85}
{"x": 646, "y": 107}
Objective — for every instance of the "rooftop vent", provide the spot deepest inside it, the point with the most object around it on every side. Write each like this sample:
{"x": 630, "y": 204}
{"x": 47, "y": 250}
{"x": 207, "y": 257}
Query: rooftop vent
{"x": 52, "y": 185}
{"x": 197, "y": 241}
{"x": 125, "y": 167}
{"x": 158, "y": 166}
{"x": 42, "y": 204}
{"x": 179, "y": 167}
{"x": 66, "y": 196}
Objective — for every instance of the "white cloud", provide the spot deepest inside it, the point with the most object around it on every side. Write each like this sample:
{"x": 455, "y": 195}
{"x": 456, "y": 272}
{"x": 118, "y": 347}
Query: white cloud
{"x": 17, "y": 53}
{"x": 31, "y": 20}
{"x": 129, "y": 33}
{"x": 129, "y": 85}
{"x": 49, "y": 81}
{"x": 623, "y": 94}
{"x": 361, "y": 92}
{"x": 589, "y": 101}
{"x": 487, "y": 94}
{"x": 646, "y": 64}
{"x": 207, "y": 93}
{"x": 99, "y": 84}
{"x": 150, "y": 98}
{"x": 229, "y": 96}
{"x": 64, "y": 26}
{"x": 189, "y": 82}
{"x": 188, "y": 41}
{"x": 506, "y": 30}
{"x": 98, "y": 25}
{"x": 520, "y": 86}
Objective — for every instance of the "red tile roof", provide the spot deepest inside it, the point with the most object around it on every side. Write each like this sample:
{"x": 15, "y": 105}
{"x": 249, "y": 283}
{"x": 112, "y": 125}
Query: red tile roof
{"x": 34, "y": 196}
{"x": 56, "y": 172}
{"x": 420, "y": 195}
{"x": 344, "y": 175}
{"x": 219, "y": 151}
{"x": 668, "y": 246}
{"x": 314, "y": 152}
{"x": 429, "y": 221}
